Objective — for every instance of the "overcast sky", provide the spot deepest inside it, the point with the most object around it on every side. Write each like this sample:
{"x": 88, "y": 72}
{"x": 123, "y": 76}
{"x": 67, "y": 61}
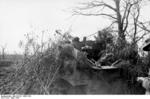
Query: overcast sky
{"x": 18, "y": 17}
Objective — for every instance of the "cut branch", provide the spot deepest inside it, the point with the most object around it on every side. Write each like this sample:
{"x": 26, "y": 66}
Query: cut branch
{"x": 142, "y": 36}
{"x": 94, "y": 14}
{"x": 127, "y": 18}
{"x": 143, "y": 27}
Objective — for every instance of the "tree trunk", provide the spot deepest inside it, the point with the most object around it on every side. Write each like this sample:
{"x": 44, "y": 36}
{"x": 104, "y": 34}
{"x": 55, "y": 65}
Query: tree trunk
{"x": 121, "y": 35}
{"x": 3, "y": 53}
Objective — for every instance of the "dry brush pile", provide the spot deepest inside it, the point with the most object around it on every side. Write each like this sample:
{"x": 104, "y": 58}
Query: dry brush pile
{"x": 36, "y": 74}
{"x": 33, "y": 76}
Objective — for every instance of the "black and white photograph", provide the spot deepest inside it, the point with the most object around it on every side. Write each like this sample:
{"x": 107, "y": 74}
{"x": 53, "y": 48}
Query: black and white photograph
{"x": 74, "y": 47}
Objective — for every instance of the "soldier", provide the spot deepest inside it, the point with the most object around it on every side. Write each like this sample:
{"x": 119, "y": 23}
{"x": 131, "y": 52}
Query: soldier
{"x": 146, "y": 80}
{"x": 147, "y": 45}
{"x": 77, "y": 44}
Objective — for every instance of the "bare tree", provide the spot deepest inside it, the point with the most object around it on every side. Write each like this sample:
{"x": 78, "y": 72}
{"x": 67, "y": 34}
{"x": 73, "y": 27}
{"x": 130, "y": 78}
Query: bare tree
{"x": 134, "y": 32}
{"x": 119, "y": 11}
{"x": 135, "y": 16}
{"x": 3, "y": 48}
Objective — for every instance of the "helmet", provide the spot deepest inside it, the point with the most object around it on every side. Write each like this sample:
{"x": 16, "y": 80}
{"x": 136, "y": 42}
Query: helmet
{"x": 147, "y": 45}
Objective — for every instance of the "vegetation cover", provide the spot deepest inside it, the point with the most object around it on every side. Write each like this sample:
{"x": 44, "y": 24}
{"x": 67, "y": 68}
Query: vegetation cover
{"x": 48, "y": 73}
{"x": 53, "y": 68}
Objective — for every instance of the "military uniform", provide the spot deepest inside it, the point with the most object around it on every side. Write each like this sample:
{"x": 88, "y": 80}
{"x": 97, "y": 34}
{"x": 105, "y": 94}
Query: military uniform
{"x": 146, "y": 80}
